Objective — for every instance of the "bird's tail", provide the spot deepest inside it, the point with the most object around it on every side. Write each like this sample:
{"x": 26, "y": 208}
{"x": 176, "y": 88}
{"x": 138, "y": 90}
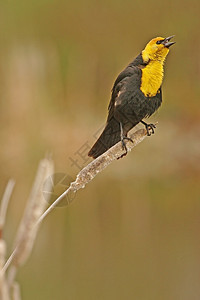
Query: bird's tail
{"x": 109, "y": 137}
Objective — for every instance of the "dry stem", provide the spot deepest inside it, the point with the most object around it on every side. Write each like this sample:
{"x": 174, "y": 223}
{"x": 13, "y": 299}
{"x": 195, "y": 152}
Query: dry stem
{"x": 92, "y": 169}
{"x": 84, "y": 176}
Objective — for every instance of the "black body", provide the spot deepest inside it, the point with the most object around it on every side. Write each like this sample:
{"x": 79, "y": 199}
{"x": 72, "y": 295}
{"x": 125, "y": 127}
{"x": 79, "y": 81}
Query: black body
{"x": 128, "y": 106}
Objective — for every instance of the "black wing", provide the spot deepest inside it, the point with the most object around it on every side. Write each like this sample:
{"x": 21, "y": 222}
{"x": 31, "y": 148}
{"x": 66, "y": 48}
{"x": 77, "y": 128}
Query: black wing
{"x": 129, "y": 105}
{"x": 121, "y": 81}
{"x": 121, "y": 89}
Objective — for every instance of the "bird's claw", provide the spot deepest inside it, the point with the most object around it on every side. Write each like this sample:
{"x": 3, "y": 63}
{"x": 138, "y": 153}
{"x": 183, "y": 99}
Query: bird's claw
{"x": 124, "y": 146}
{"x": 150, "y": 129}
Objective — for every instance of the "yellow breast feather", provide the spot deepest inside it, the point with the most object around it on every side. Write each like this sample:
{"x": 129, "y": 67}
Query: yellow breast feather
{"x": 152, "y": 77}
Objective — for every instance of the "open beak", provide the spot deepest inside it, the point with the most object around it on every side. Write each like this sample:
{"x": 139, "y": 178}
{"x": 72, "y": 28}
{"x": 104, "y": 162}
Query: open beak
{"x": 166, "y": 42}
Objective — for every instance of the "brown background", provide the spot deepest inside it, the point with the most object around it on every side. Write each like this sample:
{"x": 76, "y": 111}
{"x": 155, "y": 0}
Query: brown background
{"x": 132, "y": 233}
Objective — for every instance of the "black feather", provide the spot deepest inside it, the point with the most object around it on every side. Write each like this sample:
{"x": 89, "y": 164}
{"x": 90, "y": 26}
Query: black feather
{"x": 128, "y": 105}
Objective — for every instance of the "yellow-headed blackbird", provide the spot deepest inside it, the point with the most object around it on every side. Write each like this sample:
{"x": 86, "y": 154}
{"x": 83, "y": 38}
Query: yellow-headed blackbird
{"x": 136, "y": 94}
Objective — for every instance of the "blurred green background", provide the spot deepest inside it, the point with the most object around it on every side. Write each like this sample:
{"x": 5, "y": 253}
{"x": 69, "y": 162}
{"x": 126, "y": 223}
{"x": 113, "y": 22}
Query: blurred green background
{"x": 133, "y": 232}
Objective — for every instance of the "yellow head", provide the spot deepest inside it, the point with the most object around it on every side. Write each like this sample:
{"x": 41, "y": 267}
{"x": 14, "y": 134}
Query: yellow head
{"x": 157, "y": 49}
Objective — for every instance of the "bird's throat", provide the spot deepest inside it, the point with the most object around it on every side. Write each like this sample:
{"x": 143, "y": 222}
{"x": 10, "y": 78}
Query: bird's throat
{"x": 152, "y": 77}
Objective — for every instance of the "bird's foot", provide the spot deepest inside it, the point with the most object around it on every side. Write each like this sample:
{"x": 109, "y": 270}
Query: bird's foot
{"x": 149, "y": 128}
{"x": 124, "y": 147}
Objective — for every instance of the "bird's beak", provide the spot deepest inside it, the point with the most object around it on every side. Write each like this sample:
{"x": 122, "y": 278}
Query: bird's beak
{"x": 166, "y": 42}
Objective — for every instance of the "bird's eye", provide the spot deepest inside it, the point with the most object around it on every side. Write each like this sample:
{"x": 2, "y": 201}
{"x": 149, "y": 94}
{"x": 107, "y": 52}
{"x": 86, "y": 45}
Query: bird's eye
{"x": 159, "y": 42}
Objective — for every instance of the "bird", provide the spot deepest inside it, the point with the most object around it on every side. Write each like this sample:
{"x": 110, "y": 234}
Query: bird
{"x": 136, "y": 94}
